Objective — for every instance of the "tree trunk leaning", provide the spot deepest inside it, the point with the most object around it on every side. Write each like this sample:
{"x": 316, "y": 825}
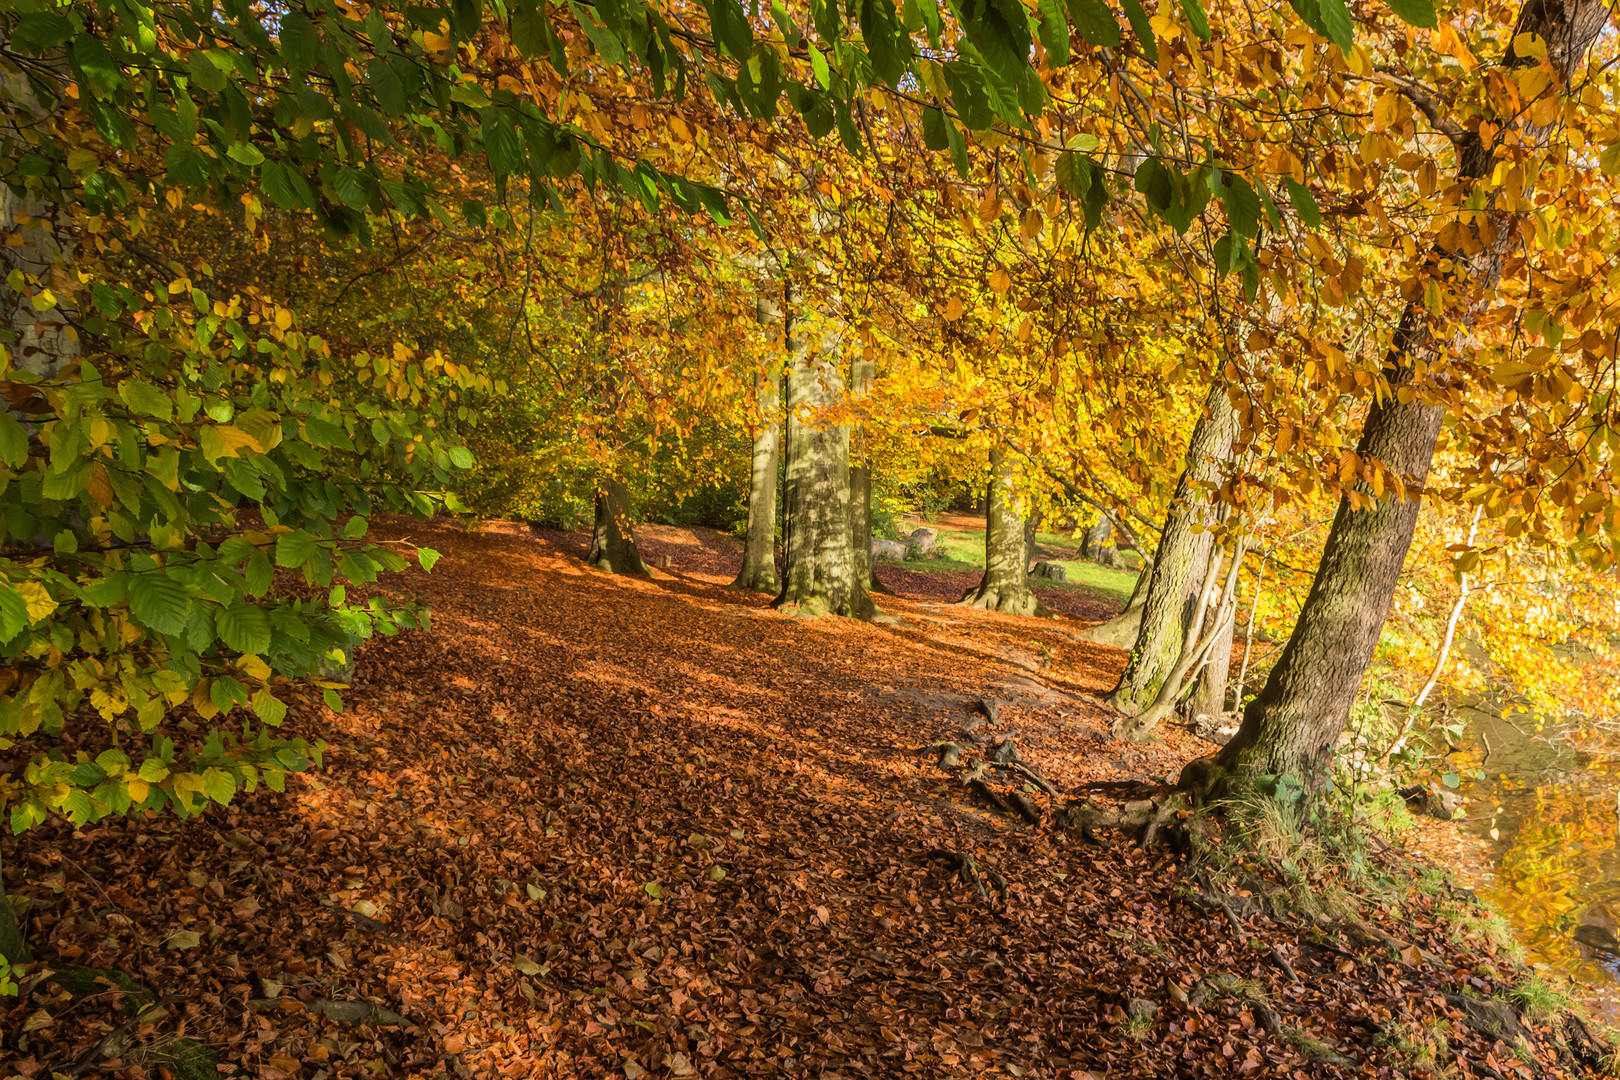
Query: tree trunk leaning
{"x": 1179, "y": 564}
{"x": 1292, "y": 724}
{"x": 613, "y": 540}
{"x": 1005, "y": 585}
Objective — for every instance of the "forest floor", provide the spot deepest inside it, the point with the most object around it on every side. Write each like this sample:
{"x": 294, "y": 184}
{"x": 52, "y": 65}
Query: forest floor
{"x": 595, "y": 826}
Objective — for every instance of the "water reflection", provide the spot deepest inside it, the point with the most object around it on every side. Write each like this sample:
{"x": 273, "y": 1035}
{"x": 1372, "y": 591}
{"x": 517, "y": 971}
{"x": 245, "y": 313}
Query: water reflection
{"x": 1546, "y": 815}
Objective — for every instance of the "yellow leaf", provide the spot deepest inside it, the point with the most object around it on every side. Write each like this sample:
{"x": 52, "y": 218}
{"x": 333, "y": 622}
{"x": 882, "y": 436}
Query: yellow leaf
{"x": 283, "y": 319}
{"x": 38, "y": 600}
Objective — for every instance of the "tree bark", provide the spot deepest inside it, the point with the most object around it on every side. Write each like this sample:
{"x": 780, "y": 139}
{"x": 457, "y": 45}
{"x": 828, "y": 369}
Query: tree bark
{"x": 820, "y": 576}
{"x": 1292, "y": 724}
{"x": 1005, "y": 585}
{"x": 1179, "y": 563}
{"x": 613, "y": 540}
{"x": 1096, "y": 537}
{"x": 41, "y": 341}
{"x": 759, "y": 547}
{"x": 862, "y": 374}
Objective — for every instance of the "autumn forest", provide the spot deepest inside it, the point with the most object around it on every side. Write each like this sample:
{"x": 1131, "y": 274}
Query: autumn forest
{"x": 1069, "y": 539}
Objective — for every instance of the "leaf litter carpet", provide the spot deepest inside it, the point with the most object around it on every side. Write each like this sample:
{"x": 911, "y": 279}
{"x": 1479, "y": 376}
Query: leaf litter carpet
{"x": 595, "y": 826}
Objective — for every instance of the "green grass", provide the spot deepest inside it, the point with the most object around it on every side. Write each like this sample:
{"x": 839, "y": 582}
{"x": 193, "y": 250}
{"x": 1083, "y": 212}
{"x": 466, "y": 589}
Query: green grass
{"x": 963, "y": 549}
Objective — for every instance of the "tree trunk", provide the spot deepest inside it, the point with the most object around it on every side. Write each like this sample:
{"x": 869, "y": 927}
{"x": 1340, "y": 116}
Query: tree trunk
{"x": 759, "y": 548}
{"x": 1005, "y": 585}
{"x": 1179, "y": 564}
{"x": 819, "y": 575}
{"x": 613, "y": 541}
{"x": 862, "y": 374}
{"x": 1096, "y": 537}
{"x": 41, "y": 340}
{"x": 1121, "y": 630}
{"x": 13, "y": 946}
{"x": 1292, "y": 724}
{"x": 1210, "y": 697}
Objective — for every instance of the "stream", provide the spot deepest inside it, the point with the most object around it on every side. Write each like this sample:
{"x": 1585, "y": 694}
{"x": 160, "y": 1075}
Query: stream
{"x": 1545, "y": 819}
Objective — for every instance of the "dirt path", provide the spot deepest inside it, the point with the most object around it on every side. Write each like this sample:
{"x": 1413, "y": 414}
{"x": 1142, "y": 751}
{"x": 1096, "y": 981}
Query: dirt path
{"x": 602, "y": 827}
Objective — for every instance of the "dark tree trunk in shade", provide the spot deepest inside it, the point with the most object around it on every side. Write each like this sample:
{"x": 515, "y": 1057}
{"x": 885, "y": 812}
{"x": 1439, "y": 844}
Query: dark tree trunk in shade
{"x": 613, "y": 540}
{"x": 759, "y": 548}
{"x": 819, "y": 575}
{"x": 1180, "y": 562}
{"x": 1294, "y": 721}
{"x": 13, "y": 946}
{"x": 1005, "y": 585}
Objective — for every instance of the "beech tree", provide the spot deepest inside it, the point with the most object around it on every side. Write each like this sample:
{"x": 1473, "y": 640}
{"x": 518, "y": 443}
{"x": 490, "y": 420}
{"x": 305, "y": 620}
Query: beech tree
{"x": 1291, "y": 725}
{"x": 820, "y": 574}
{"x": 1180, "y": 560}
{"x": 1005, "y": 584}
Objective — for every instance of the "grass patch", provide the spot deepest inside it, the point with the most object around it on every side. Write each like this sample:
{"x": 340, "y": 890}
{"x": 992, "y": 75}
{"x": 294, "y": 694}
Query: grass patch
{"x": 1137, "y": 1026}
{"x": 963, "y": 550}
{"x": 1536, "y": 999}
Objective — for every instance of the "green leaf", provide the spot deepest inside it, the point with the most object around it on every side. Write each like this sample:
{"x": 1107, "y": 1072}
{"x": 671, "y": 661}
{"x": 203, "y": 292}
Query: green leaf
{"x": 1196, "y": 19}
{"x": 246, "y": 153}
{"x": 1143, "y": 29}
{"x": 1054, "y": 31}
{"x": 296, "y": 549}
{"x": 427, "y": 557}
{"x": 1096, "y": 23}
{"x": 654, "y": 890}
{"x": 144, "y": 399}
{"x": 159, "y": 601}
{"x": 933, "y": 125}
{"x": 244, "y": 627}
{"x": 1074, "y": 174}
{"x": 1336, "y": 20}
{"x": 1416, "y": 12}
{"x": 1304, "y": 202}
{"x": 1242, "y": 207}
{"x": 269, "y": 708}
{"x": 13, "y": 613}
{"x": 731, "y": 29}
{"x": 13, "y": 441}
{"x": 351, "y": 187}
{"x": 98, "y": 65}
{"x": 610, "y": 47}
{"x": 220, "y": 785}
{"x": 299, "y": 40}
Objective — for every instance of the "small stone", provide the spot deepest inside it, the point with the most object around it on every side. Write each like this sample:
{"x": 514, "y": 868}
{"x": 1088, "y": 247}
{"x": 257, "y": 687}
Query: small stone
{"x": 1141, "y": 1007}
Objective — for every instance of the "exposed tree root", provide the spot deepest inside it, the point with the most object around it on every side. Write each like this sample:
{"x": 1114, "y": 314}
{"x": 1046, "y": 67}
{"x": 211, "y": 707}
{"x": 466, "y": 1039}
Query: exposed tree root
{"x": 1010, "y": 601}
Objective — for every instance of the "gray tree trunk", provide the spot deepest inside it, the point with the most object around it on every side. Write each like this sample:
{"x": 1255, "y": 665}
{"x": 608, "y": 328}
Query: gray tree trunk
{"x": 613, "y": 540}
{"x": 1292, "y": 724}
{"x": 820, "y": 575}
{"x": 863, "y": 373}
{"x": 1005, "y": 585}
{"x": 1179, "y": 564}
{"x": 41, "y": 341}
{"x": 759, "y": 548}
{"x": 1096, "y": 537}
